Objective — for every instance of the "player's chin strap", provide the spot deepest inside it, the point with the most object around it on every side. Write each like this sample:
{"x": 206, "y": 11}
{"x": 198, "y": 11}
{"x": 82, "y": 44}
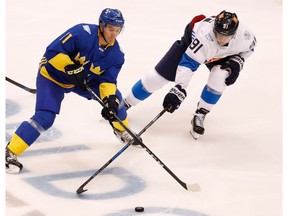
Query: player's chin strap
{"x": 102, "y": 34}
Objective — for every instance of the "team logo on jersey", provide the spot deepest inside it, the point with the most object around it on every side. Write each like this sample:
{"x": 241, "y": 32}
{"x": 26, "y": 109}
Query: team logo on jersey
{"x": 96, "y": 70}
{"x": 208, "y": 37}
{"x": 81, "y": 59}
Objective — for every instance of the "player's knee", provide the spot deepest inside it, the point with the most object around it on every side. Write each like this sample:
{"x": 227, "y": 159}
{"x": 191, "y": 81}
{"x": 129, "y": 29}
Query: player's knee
{"x": 153, "y": 81}
{"x": 44, "y": 119}
{"x": 217, "y": 78}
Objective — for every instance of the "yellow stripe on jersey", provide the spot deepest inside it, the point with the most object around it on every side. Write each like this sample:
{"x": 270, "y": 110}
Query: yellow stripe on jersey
{"x": 66, "y": 37}
{"x": 118, "y": 126}
{"x": 45, "y": 73}
{"x": 43, "y": 61}
{"x": 17, "y": 145}
{"x": 107, "y": 89}
{"x": 60, "y": 61}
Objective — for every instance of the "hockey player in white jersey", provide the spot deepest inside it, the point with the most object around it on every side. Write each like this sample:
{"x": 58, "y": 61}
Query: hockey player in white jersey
{"x": 220, "y": 42}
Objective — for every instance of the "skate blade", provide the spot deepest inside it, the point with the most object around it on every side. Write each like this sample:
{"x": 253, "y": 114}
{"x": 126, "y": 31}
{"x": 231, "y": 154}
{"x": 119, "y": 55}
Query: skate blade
{"x": 194, "y": 134}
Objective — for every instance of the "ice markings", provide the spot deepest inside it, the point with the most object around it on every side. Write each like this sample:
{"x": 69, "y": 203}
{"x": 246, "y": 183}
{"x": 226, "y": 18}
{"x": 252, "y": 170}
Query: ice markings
{"x": 50, "y": 184}
{"x": 13, "y": 108}
{"x": 158, "y": 211}
{"x": 55, "y": 150}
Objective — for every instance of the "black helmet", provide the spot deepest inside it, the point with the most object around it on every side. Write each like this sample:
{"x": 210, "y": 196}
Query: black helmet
{"x": 226, "y": 23}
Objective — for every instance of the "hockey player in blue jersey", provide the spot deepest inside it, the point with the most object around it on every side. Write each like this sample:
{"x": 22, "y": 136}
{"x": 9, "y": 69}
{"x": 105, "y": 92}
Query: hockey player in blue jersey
{"x": 84, "y": 54}
{"x": 220, "y": 42}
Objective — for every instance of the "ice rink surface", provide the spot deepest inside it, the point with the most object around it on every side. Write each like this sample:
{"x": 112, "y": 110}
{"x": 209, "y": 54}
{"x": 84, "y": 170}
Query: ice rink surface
{"x": 237, "y": 163}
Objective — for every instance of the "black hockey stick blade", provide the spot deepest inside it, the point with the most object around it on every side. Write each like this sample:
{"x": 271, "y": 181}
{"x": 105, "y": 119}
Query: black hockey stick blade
{"x": 81, "y": 190}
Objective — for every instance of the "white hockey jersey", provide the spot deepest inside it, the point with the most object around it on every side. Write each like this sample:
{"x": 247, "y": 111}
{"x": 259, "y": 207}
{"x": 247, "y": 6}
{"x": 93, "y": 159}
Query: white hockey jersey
{"x": 204, "y": 48}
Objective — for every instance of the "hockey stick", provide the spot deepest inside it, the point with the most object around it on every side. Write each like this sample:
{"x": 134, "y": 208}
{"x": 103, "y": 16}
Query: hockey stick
{"x": 33, "y": 91}
{"x": 191, "y": 187}
{"x": 81, "y": 188}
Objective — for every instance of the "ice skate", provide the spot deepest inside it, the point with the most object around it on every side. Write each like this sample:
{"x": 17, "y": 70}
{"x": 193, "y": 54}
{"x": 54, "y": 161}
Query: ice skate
{"x": 125, "y": 137}
{"x": 13, "y": 166}
{"x": 198, "y": 123}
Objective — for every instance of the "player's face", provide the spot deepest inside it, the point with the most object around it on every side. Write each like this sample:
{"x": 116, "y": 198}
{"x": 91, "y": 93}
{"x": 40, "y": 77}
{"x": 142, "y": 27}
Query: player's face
{"x": 223, "y": 39}
{"x": 111, "y": 32}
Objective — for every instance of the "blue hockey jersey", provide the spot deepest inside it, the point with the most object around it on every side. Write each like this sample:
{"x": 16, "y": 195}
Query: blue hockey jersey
{"x": 81, "y": 43}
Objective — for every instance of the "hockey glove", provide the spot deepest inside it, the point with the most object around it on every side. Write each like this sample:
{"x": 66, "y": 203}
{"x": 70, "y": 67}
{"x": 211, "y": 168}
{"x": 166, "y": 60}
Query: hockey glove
{"x": 233, "y": 65}
{"x": 77, "y": 75}
{"x": 174, "y": 98}
{"x": 111, "y": 107}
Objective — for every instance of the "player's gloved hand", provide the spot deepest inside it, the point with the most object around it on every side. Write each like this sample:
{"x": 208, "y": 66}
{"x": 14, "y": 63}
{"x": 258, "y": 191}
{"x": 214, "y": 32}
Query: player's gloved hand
{"x": 77, "y": 74}
{"x": 233, "y": 65}
{"x": 174, "y": 98}
{"x": 111, "y": 109}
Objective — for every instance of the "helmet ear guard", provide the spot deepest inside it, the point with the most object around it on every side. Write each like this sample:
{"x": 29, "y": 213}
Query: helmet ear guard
{"x": 226, "y": 23}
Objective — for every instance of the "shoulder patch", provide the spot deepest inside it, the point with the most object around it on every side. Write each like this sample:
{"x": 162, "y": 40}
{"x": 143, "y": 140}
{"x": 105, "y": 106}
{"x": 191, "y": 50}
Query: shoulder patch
{"x": 247, "y": 35}
{"x": 87, "y": 28}
{"x": 209, "y": 37}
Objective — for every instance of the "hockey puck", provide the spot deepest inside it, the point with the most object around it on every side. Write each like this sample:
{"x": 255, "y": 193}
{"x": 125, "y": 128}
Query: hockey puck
{"x": 139, "y": 209}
